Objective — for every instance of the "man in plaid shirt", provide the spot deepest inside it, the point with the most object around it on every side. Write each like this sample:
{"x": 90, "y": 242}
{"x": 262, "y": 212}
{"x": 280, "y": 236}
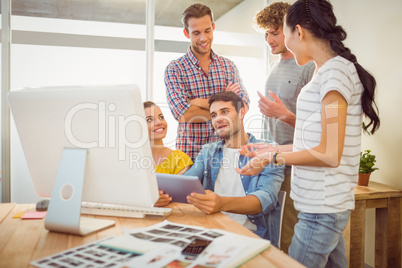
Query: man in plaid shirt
{"x": 193, "y": 78}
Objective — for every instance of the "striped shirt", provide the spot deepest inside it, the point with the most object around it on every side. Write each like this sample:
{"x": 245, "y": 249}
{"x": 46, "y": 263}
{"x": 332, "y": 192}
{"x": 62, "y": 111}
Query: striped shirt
{"x": 323, "y": 189}
{"x": 285, "y": 79}
{"x": 186, "y": 80}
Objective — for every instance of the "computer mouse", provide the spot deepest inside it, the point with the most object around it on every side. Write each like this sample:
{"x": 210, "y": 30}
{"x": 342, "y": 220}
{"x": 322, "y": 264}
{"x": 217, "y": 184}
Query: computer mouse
{"x": 42, "y": 205}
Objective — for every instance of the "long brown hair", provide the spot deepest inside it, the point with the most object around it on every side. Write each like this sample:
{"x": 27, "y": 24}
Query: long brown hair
{"x": 318, "y": 18}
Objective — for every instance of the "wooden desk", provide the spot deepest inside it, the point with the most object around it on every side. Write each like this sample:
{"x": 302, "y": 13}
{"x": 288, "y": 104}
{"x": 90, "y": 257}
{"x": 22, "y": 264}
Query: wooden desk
{"x": 22, "y": 241}
{"x": 5, "y": 209}
{"x": 387, "y": 202}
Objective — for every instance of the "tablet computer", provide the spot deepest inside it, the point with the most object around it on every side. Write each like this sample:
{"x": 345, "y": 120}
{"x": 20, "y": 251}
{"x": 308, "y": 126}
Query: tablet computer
{"x": 179, "y": 186}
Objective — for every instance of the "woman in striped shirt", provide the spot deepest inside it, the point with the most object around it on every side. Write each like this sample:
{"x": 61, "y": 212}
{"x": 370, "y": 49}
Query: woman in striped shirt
{"x": 326, "y": 150}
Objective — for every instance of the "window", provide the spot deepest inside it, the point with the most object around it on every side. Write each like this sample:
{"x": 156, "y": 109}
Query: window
{"x": 58, "y": 51}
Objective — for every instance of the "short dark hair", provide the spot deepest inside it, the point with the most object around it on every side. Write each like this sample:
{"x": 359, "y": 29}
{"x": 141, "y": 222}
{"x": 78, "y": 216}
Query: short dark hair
{"x": 148, "y": 104}
{"x": 228, "y": 96}
{"x": 195, "y": 11}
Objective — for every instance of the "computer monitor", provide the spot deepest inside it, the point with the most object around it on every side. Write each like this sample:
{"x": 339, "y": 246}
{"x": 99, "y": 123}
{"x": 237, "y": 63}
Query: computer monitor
{"x": 85, "y": 144}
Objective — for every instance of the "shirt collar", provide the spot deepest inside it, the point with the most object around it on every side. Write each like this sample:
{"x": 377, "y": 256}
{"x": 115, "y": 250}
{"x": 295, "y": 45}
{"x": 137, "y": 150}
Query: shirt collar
{"x": 252, "y": 139}
{"x": 193, "y": 59}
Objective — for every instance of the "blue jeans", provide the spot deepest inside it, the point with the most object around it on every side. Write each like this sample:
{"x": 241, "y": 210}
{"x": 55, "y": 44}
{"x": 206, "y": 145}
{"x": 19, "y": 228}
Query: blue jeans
{"x": 318, "y": 240}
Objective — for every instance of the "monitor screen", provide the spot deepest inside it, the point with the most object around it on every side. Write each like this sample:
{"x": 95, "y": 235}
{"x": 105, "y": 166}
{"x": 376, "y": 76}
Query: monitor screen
{"x": 108, "y": 121}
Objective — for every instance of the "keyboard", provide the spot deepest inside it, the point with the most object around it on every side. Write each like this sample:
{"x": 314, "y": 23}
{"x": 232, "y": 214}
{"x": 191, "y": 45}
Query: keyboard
{"x": 126, "y": 211}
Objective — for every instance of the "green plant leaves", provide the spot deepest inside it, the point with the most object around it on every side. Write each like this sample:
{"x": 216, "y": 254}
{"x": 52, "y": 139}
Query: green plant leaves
{"x": 367, "y": 161}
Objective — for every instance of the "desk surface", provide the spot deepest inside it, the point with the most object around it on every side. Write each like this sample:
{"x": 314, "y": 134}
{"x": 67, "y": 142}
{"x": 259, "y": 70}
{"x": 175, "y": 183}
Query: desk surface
{"x": 376, "y": 190}
{"x": 22, "y": 241}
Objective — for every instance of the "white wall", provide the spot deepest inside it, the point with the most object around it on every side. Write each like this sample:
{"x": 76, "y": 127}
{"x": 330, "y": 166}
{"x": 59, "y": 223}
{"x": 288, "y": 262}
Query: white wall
{"x": 240, "y": 18}
{"x": 374, "y": 37}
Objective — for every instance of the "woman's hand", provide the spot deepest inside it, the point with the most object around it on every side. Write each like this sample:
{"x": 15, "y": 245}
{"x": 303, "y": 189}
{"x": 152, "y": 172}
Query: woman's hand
{"x": 181, "y": 172}
{"x": 164, "y": 199}
{"x": 255, "y": 165}
{"x": 254, "y": 149}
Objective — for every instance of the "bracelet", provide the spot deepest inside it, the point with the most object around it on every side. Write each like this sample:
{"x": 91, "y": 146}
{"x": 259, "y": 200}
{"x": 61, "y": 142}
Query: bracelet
{"x": 274, "y": 160}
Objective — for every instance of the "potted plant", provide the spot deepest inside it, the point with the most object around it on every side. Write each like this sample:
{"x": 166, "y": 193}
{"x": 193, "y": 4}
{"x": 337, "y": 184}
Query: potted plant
{"x": 366, "y": 167}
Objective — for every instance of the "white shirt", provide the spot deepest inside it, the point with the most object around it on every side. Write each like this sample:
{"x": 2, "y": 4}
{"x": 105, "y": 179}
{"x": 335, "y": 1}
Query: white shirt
{"x": 228, "y": 183}
{"x": 324, "y": 189}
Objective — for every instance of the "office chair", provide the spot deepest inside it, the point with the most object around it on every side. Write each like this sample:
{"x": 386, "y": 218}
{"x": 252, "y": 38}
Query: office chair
{"x": 281, "y": 200}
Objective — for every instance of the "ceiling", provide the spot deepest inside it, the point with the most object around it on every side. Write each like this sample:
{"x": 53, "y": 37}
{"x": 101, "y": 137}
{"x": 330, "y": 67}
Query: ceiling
{"x": 167, "y": 12}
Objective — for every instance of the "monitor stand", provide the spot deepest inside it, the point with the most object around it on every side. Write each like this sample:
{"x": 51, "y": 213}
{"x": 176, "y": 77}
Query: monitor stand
{"x": 64, "y": 211}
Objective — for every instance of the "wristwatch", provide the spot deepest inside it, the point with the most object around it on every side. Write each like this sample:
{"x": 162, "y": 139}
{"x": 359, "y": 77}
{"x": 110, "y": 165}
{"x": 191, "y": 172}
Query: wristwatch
{"x": 274, "y": 158}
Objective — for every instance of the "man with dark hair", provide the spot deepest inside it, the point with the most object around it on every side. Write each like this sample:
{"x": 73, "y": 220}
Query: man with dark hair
{"x": 252, "y": 201}
{"x": 195, "y": 11}
{"x": 193, "y": 78}
{"x": 227, "y": 97}
{"x": 283, "y": 85}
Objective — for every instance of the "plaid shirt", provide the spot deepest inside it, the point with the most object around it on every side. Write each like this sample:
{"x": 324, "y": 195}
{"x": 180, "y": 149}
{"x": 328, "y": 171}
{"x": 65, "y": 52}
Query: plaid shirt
{"x": 186, "y": 80}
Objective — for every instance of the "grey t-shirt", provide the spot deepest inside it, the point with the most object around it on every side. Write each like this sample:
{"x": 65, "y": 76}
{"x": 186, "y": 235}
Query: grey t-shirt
{"x": 285, "y": 79}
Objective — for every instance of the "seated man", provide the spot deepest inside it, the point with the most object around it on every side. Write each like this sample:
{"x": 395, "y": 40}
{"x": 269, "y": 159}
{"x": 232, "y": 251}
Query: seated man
{"x": 252, "y": 201}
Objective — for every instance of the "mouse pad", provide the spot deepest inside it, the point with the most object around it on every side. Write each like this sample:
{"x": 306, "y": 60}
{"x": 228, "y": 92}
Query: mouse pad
{"x": 34, "y": 215}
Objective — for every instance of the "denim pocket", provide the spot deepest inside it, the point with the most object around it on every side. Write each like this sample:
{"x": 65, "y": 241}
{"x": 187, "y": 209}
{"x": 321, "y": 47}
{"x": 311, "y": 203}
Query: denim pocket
{"x": 334, "y": 221}
{"x": 341, "y": 220}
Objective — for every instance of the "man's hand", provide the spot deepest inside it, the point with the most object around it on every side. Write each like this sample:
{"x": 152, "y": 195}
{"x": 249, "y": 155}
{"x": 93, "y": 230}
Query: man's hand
{"x": 164, "y": 199}
{"x": 195, "y": 114}
{"x": 275, "y": 109}
{"x": 202, "y": 103}
{"x": 235, "y": 87}
{"x": 209, "y": 202}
